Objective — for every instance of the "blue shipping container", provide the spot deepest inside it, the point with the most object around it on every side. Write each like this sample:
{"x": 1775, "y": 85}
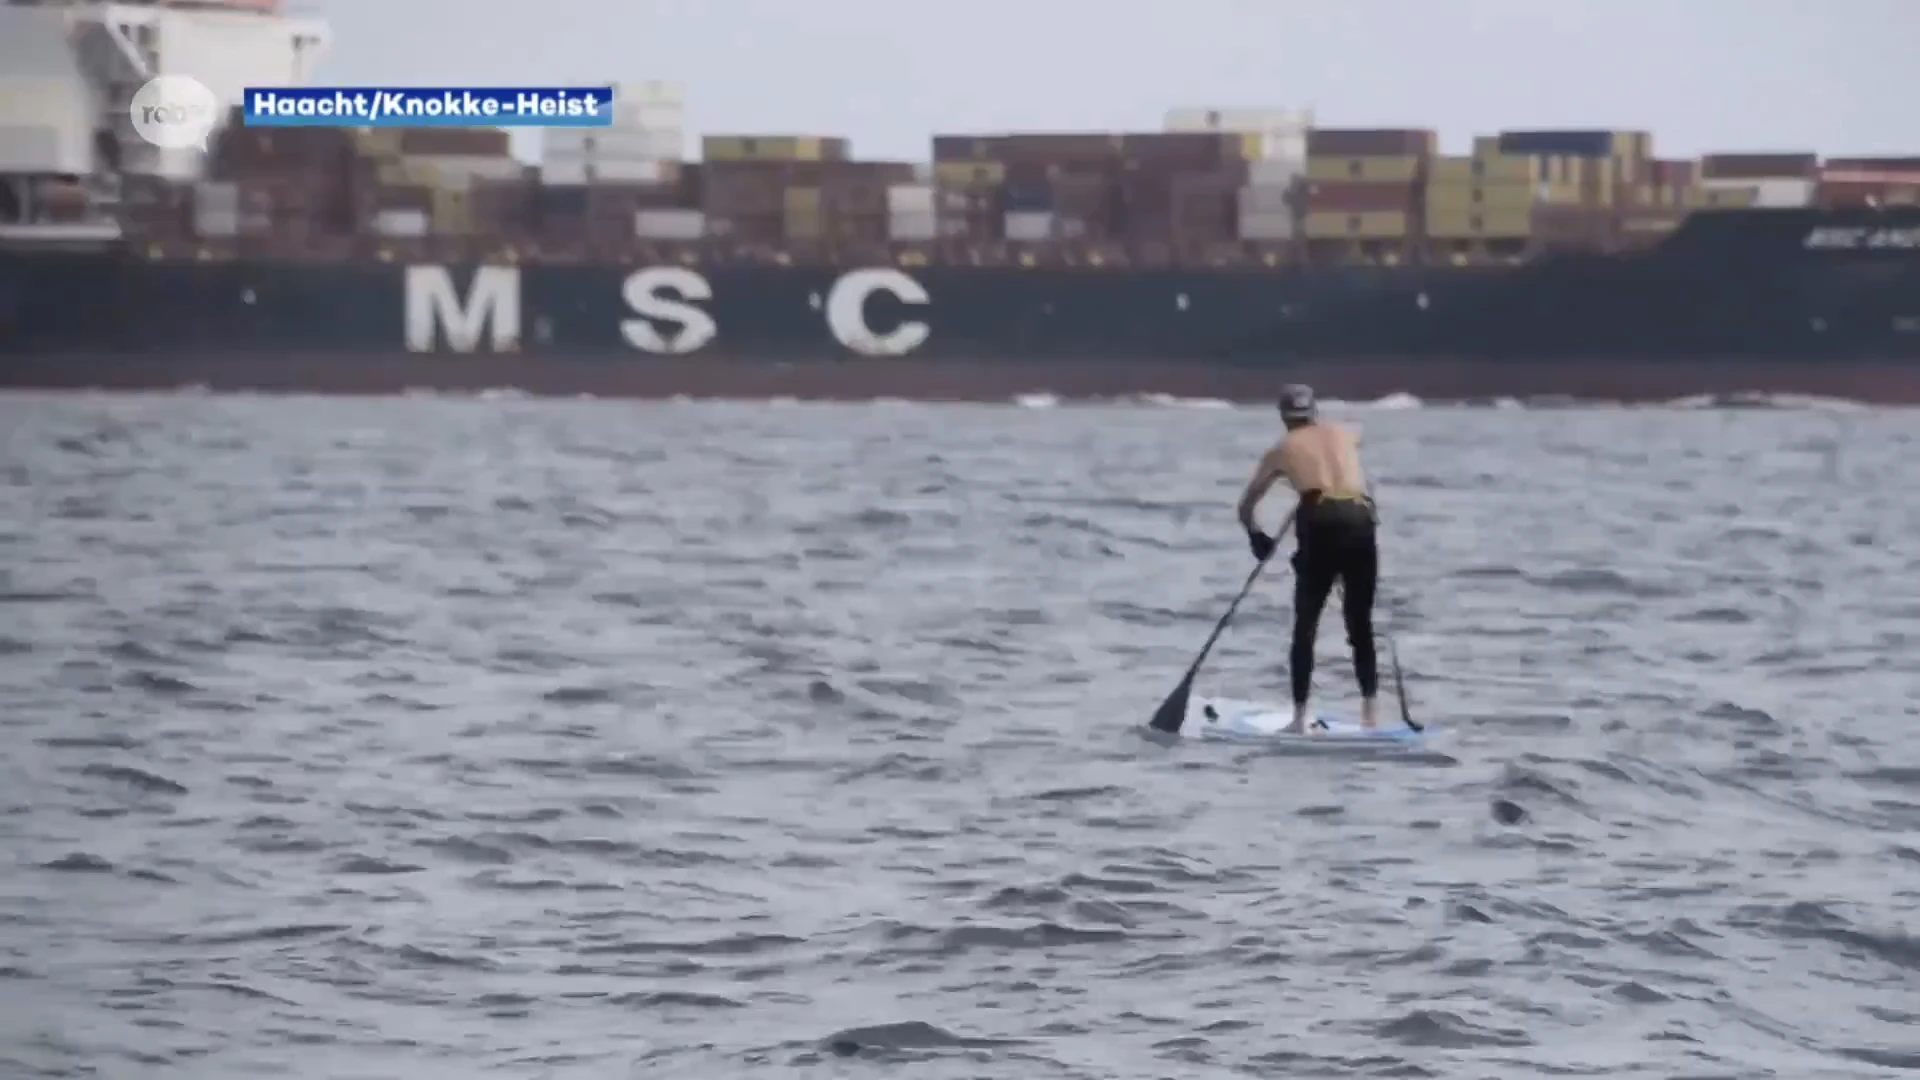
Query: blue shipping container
{"x": 1557, "y": 143}
{"x": 1029, "y": 200}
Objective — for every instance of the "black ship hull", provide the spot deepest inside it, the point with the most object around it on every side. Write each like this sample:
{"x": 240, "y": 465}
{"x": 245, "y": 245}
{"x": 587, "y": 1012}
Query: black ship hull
{"x": 1784, "y": 302}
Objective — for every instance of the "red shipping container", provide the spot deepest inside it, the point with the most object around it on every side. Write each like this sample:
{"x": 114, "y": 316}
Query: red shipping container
{"x": 1187, "y": 151}
{"x": 1370, "y": 142}
{"x": 1759, "y": 166}
{"x": 1674, "y": 173}
{"x": 1059, "y": 148}
{"x": 1361, "y": 197}
{"x": 1909, "y": 166}
{"x": 454, "y": 142}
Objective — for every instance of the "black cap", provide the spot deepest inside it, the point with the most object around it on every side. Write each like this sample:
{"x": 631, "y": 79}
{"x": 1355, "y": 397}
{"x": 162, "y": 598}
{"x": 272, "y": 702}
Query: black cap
{"x": 1296, "y": 403}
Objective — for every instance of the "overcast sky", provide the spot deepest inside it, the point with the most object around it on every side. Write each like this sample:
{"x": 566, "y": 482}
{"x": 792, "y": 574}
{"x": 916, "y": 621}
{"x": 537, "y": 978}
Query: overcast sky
{"x": 1839, "y": 76}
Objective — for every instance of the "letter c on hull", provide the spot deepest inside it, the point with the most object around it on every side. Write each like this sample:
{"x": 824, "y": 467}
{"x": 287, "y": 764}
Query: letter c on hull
{"x": 847, "y": 312}
{"x": 646, "y": 292}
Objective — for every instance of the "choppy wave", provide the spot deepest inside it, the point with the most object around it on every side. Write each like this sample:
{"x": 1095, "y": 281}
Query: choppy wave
{"x": 584, "y": 739}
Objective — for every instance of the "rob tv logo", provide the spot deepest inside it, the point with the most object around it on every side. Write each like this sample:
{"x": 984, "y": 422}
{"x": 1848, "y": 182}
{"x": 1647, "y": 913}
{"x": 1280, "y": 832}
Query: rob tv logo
{"x": 174, "y": 112}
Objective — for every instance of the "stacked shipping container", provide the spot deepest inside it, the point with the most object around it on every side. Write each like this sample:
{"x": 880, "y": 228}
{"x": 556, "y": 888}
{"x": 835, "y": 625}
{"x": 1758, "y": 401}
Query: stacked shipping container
{"x": 1218, "y": 185}
{"x": 1275, "y": 145}
{"x": 1846, "y": 182}
{"x": 1364, "y": 187}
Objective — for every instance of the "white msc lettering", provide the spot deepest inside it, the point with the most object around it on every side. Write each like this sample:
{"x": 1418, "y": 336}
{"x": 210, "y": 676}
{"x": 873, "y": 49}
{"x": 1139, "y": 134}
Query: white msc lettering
{"x": 663, "y": 292}
{"x": 847, "y": 312}
{"x": 491, "y": 309}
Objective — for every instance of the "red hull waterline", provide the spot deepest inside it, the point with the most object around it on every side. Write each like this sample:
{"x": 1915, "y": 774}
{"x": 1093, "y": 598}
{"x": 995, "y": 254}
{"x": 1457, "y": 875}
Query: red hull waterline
{"x": 1636, "y": 381}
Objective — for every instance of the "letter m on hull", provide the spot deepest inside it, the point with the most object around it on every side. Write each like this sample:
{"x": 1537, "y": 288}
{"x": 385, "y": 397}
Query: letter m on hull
{"x": 439, "y": 317}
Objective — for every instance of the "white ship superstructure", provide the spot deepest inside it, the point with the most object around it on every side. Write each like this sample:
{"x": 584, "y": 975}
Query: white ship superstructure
{"x": 69, "y": 70}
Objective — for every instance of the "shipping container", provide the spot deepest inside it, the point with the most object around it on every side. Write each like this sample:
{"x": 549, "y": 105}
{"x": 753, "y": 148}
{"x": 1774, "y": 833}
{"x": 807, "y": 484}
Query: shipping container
{"x": 1903, "y": 166}
{"x": 631, "y": 172}
{"x": 1264, "y": 225}
{"x": 1028, "y": 227}
{"x": 804, "y": 201}
{"x": 1202, "y": 151}
{"x": 1348, "y": 198}
{"x": 560, "y": 202}
{"x": 969, "y": 174}
{"x": 1491, "y": 197}
{"x": 216, "y": 223}
{"x": 602, "y": 144}
{"x": 1800, "y": 166}
{"x": 1485, "y": 170}
{"x": 1581, "y": 144}
{"x": 910, "y": 199}
{"x": 1480, "y": 223}
{"x": 216, "y": 195}
{"x": 1276, "y": 172}
{"x": 1066, "y": 149}
{"x": 401, "y": 223}
{"x": 453, "y": 142}
{"x": 1371, "y": 143}
{"x": 1403, "y": 169}
{"x": 1375, "y": 225}
{"x": 1674, "y": 174}
{"x": 1723, "y": 196}
{"x": 563, "y": 174}
{"x": 1575, "y": 228}
{"x": 452, "y": 213}
{"x": 1841, "y": 194}
{"x": 963, "y": 148}
{"x": 1266, "y": 200}
{"x": 1774, "y": 192}
{"x": 1083, "y": 197}
{"x": 913, "y": 225}
{"x": 774, "y": 148}
{"x": 669, "y": 224}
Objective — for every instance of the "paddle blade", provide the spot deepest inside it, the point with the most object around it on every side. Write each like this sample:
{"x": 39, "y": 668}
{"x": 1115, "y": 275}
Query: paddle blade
{"x": 1400, "y": 688}
{"x": 1172, "y": 712}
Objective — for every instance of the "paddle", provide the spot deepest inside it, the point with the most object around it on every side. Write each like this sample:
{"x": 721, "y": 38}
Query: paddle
{"x": 1400, "y": 684}
{"x": 1172, "y": 712}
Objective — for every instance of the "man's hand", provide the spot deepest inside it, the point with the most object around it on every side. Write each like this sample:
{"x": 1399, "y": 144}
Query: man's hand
{"x": 1261, "y": 543}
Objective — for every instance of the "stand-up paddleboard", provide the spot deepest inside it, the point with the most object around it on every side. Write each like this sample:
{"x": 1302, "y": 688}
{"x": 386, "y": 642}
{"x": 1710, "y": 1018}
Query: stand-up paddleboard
{"x": 1225, "y": 718}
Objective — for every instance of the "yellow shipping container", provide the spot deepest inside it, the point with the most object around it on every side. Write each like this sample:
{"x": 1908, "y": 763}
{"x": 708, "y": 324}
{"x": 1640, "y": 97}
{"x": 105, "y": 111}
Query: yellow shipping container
{"x": 1558, "y": 193}
{"x": 1509, "y": 223}
{"x": 969, "y": 174}
{"x": 805, "y": 226}
{"x": 1720, "y": 198}
{"x": 803, "y": 201}
{"x": 1633, "y": 145}
{"x": 764, "y": 147}
{"x": 1486, "y": 146}
{"x": 1378, "y": 225}
{"x": 1485, "y": 170}
{"x": 1400, "y": 168}
{"x": 452, "y": 214}
{"x": 1471, "y": 196}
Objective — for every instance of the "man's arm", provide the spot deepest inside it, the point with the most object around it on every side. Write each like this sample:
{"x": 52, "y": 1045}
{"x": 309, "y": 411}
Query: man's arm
{"x": 1264, "y": 475}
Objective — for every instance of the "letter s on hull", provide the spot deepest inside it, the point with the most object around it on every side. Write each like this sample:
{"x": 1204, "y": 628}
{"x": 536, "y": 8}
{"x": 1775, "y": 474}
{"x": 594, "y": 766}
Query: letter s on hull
{"x": 847, "y": 312}
{"x": 645, "y": 292}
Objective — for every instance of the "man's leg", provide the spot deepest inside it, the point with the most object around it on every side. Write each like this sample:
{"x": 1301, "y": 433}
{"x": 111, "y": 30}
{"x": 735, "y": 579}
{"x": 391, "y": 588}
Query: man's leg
{"x": 1359, "y": 579}
{"x": 1312, "y": 582}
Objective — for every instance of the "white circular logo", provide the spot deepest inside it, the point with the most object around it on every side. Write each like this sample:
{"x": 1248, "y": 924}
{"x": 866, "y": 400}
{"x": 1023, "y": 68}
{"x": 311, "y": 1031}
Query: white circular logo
{"x": 174, "y": 112}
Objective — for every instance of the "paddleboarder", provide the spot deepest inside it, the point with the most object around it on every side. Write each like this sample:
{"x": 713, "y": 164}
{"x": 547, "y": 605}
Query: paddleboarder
{"x": 1335, "y": 527}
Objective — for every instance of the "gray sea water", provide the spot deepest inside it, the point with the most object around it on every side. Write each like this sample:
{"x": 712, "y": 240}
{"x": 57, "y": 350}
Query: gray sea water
{"x": 418, "y": 739}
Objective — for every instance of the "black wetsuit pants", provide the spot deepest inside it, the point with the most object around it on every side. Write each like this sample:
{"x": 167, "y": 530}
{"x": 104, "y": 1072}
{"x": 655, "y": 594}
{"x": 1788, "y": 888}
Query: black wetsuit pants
{"x": 1337, "y": 544}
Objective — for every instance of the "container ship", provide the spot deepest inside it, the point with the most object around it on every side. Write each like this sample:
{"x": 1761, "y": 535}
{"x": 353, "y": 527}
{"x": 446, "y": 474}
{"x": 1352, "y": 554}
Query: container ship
{"x": 1232, "y": 251}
